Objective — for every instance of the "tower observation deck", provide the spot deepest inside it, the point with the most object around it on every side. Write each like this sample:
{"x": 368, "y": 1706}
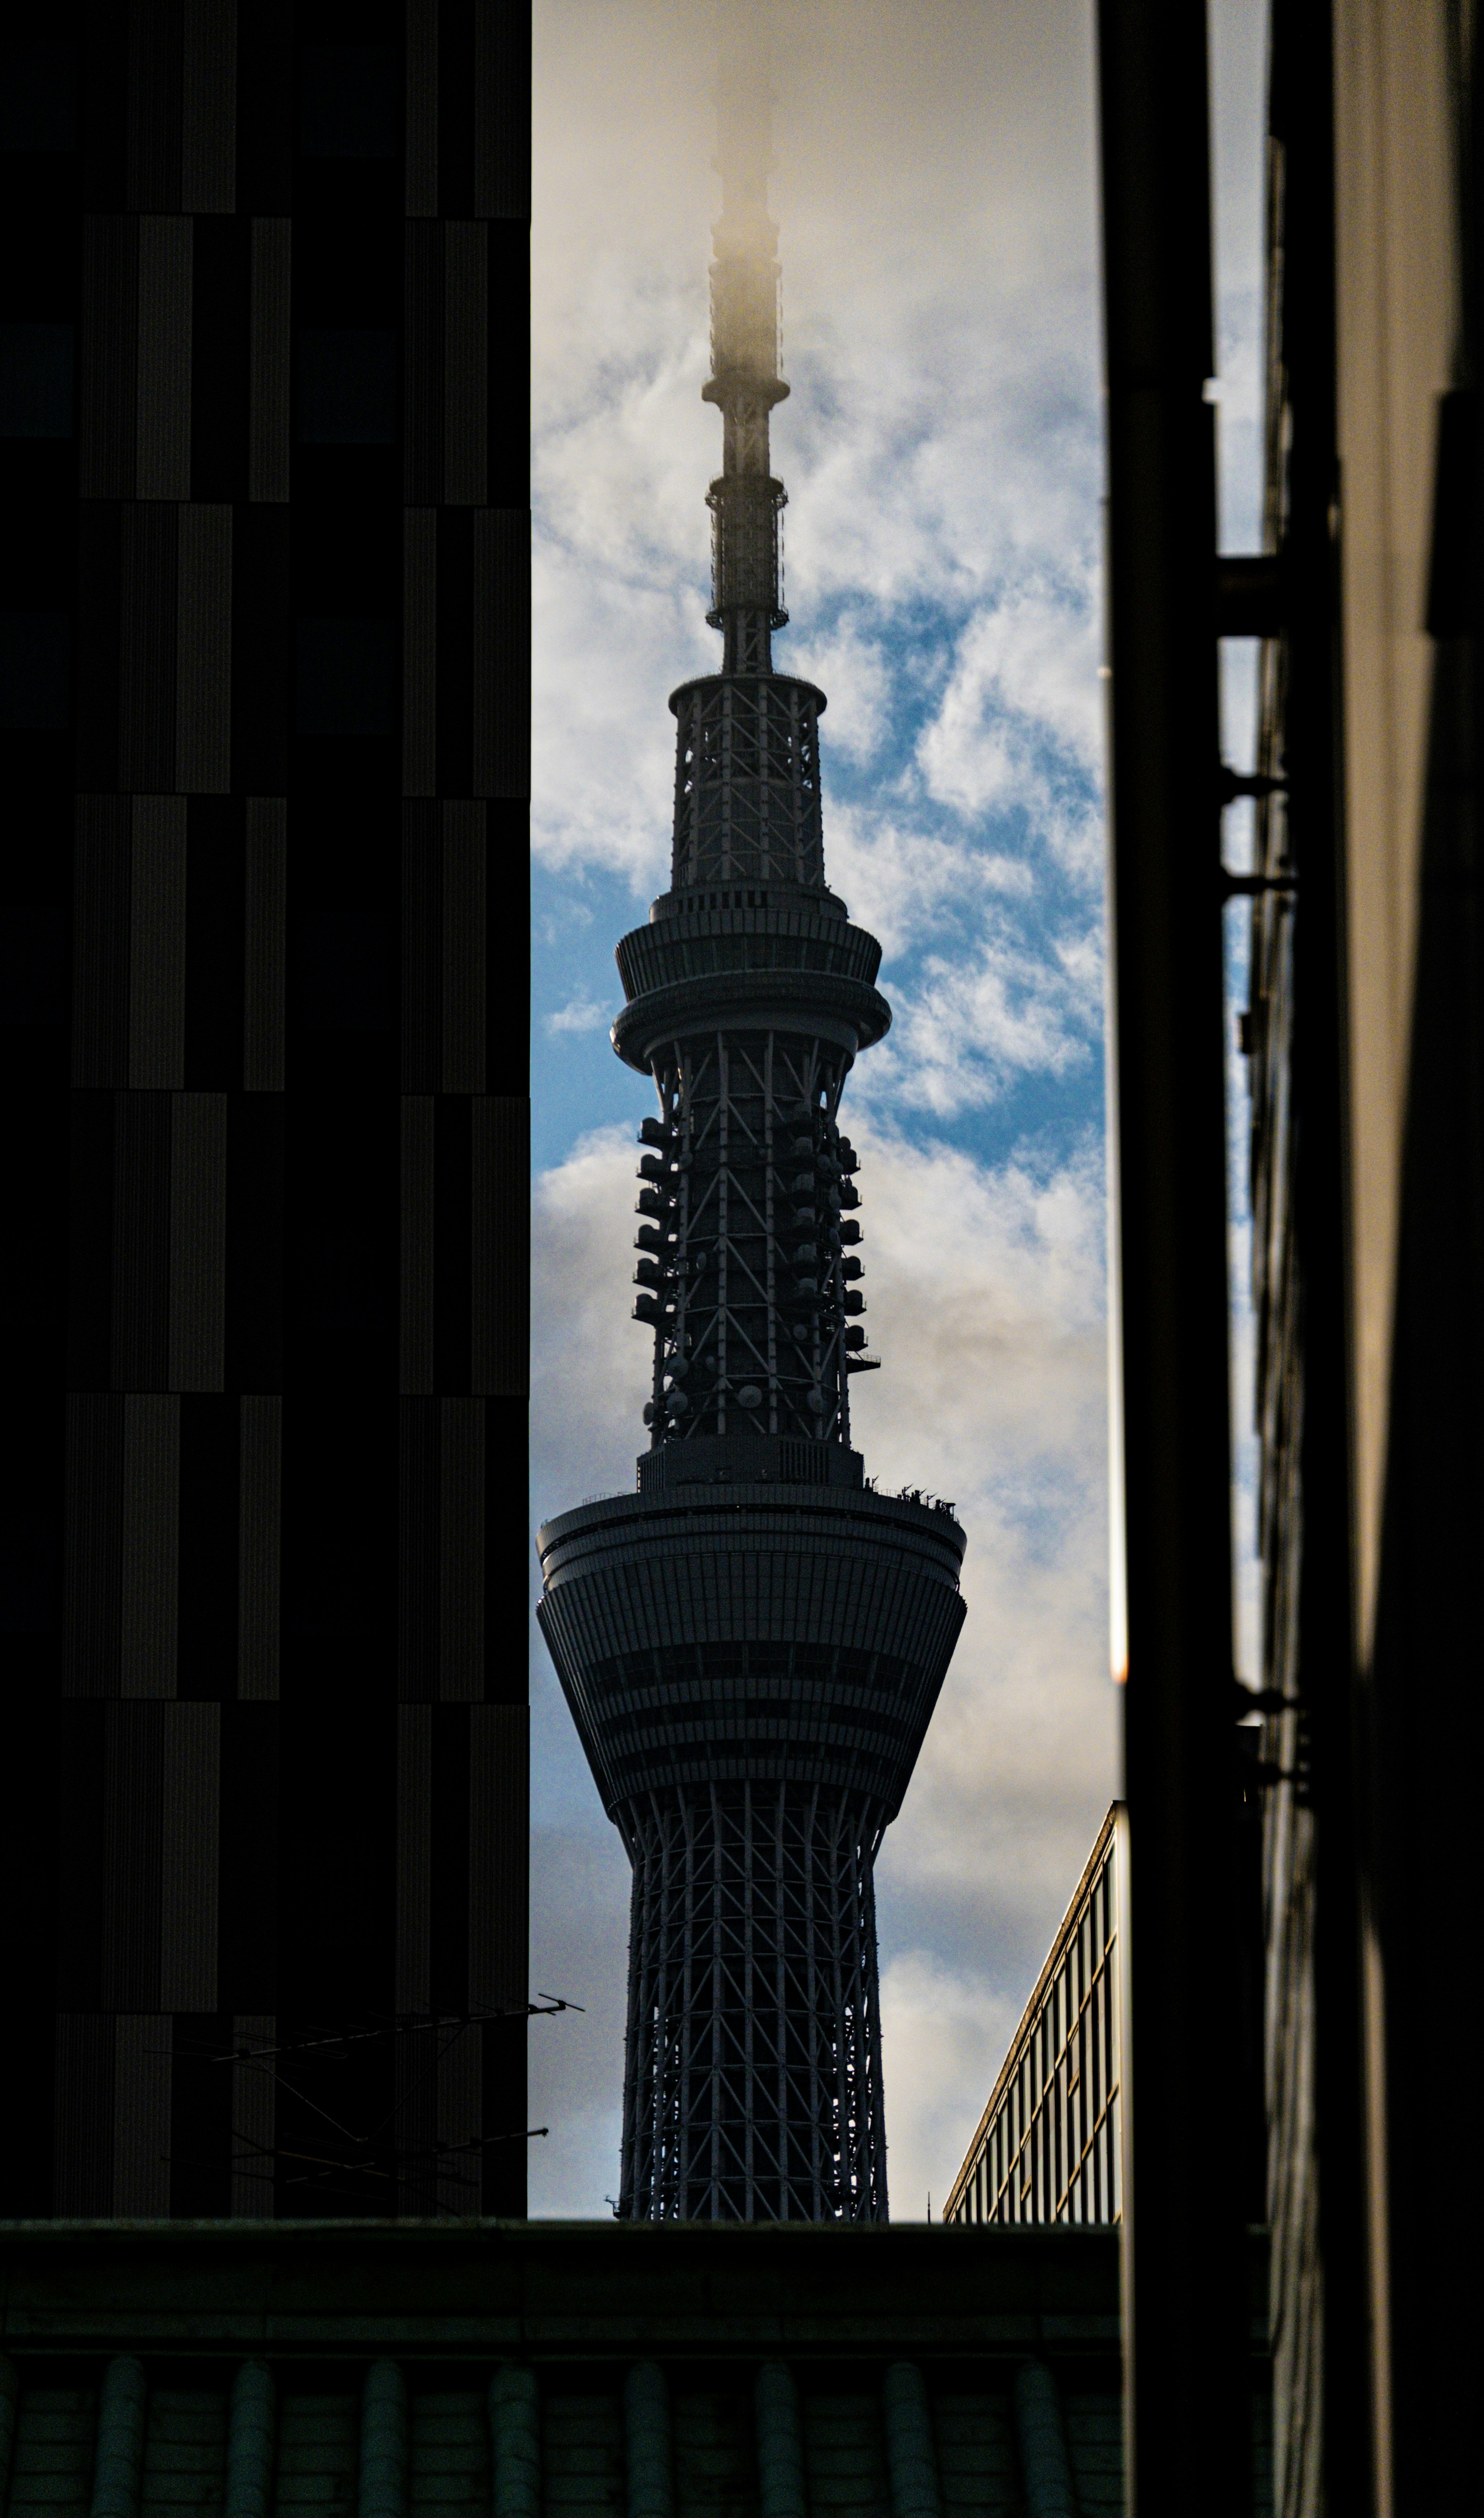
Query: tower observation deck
{"x": 752, "y": 1644}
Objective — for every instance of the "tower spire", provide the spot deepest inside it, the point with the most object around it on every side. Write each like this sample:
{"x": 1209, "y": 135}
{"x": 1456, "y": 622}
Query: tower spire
{"x": 746, "y": 500}
{"x": 752, "y": 1644}
{"x": 747, "y": 748}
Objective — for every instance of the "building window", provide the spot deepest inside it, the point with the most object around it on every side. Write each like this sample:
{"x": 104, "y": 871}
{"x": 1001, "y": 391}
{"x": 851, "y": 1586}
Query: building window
{"x": 350, "y": 100}
{"x": 35, "y": 379}
{"x": 34, "y": 660}
{"x": 38, "y": 99}
{"x": 347, "y": 677}
{"x": 341, "y": 971}
{"x": 346, "y": 388}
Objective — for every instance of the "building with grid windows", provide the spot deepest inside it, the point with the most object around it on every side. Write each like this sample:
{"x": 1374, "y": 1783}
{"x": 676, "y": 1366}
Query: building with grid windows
{"x": 263, "y": 722}
{"x": 1048, "y": 2147}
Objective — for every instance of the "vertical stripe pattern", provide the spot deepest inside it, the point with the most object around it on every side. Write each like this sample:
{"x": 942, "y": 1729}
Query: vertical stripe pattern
{"x": 276, "y": 1433}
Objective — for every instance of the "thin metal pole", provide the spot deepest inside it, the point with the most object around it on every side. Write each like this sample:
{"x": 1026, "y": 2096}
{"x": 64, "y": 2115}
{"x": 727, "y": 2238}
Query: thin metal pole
{"x": 638, "y": 2074}
{"x": 1187, "y": 2425}
{"x": 748, "y": 1968}
{"x": 716, "y": 2029}
{"x": 781, "y": 1911}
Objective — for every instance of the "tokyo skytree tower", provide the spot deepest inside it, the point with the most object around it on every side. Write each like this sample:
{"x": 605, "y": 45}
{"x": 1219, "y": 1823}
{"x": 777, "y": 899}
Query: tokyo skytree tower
{"x": 752, "y": 1644}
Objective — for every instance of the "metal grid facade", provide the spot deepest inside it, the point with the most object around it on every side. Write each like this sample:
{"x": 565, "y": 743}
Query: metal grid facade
{"x": 1047, "y": 2146}
{"x": 757, "y": 1283}
{"x": 754, "y": 2081}
{"x": 747, "y": 781}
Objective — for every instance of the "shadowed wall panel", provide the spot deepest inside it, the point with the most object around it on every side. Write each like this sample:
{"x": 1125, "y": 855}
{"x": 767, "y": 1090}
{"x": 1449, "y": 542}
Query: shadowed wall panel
{"x": 272, "y": 1493}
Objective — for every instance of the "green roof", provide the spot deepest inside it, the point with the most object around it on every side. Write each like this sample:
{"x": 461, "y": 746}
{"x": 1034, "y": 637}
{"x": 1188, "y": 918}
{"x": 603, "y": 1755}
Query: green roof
{"x": 153, "y": 2323}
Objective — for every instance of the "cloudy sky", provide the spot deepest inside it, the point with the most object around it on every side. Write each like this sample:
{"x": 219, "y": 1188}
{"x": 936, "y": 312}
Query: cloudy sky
{"x": 935, "y": 190}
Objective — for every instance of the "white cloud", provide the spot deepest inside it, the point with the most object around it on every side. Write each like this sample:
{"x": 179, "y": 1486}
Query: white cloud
{"x": 1239, "y": 75}
{"x": 580, "y": 1950}
{"x": 969, "y": 1023}
{"x": 986, "y": 1303}
{"x": 853, "y": 673}
{"x": 602, "y": 740}
{"x": 1019, "y": 722}
{"x": 939, "y": 2024}
{"x": 985, "y": 1290}
{"x": 590, "y": 1358}
{"x": 579, "y": 1013}
{"x": 907, "y": 882}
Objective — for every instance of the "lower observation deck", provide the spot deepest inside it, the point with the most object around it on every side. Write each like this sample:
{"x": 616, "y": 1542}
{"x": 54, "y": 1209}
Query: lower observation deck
{"x": 767, "y": 1631}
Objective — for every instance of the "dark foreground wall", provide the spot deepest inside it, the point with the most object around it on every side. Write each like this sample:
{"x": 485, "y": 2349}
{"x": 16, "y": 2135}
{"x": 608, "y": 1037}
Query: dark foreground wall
{"x": 264, "y": 661}
{"x": 916, "y": 2372}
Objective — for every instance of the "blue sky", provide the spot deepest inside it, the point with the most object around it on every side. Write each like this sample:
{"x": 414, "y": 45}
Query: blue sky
{"x": 942, "y": 452}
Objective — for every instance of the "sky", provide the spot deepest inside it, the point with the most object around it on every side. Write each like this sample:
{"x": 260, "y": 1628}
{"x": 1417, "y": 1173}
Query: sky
{"x": 935, "y": 190}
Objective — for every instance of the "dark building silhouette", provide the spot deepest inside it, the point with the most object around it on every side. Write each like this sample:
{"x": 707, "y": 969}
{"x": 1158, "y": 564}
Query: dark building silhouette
{"x": 263, "y": 722}
{"x": 752, "y": 1644}
{"x": 1363, "y": 1037}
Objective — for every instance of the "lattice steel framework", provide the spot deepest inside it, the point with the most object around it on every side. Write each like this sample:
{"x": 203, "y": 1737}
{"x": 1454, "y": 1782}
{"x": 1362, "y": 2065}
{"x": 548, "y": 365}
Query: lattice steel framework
{"x": 748, "y": 782}
{"x": 1048, "y": 2148}
{"x": 750, "y": 1260}
{"x": 752, "y": 1647}
{"x": 754, "y": 2083}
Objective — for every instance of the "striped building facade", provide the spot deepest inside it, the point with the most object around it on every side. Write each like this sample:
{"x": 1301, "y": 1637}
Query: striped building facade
{"x": 1049, "y": 2144}
{"x": 264, "y": 674}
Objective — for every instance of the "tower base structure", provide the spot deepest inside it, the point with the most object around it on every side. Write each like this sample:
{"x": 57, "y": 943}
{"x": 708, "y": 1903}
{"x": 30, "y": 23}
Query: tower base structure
{"x": 751, "y": 1657}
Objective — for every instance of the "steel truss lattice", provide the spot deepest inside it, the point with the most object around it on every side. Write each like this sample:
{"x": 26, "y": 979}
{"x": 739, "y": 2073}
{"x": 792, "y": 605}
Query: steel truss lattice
{"x": 748, "y": 782}
{"x": 749, "y": 1275}
{"x": 753, "y": 2085}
